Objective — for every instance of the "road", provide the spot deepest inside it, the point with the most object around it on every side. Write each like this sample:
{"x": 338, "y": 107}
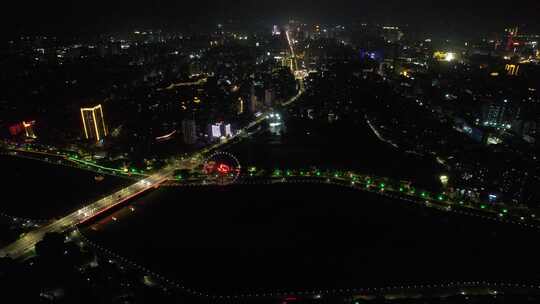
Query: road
{"x": 58, "y": 158}
{"x": 25, "y": 244}
{"x": 185, "y": 84}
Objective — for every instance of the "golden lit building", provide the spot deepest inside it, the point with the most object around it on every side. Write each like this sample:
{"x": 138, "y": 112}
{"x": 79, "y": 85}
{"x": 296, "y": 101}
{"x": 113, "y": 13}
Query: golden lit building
{"x": 240, "y": 107}
{"x": 444, "y": 56}
{"x": 512, "y": 69}
{"x": 94, "y": 123}
{"x": 29, "y": 129}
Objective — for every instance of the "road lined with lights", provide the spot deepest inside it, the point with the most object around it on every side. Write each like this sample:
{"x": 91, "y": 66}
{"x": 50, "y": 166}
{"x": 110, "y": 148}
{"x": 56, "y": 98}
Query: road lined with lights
{"x": 70, "y": 160}
{"x": 25, "y": 244}
{"x": 185, "y": 84}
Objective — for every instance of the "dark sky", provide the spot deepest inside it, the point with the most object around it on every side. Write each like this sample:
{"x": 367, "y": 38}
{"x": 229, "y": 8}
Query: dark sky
{"x": 74, "y": 15}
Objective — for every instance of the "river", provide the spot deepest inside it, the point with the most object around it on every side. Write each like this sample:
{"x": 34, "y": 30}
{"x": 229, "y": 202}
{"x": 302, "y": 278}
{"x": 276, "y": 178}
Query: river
{"x": 39, "y": 190}
{"x": 244, "y": 239}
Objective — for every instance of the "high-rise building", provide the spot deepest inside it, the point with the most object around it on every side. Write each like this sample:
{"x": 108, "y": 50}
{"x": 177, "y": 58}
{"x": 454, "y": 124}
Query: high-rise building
{"x": 189, "y": 131}
{"x": 94, "y": 123}
{"x": 276, "y": 31}
{"x": 512, "y": 69}
{"x": 269, "y": 97}
{"x": 240, "y": 108}
{"x": 221, "y": 129}
{"x": 392, "y": 33}
{"x": 493, "y": 114}
{"x": 215, "y": 131}
{"x": 29, "y": 129}
{"x": 228, "y": 130}
{"x": 510, "y": 38}
{"x": 254, "y": 101}
{"x": 500, "y": 114}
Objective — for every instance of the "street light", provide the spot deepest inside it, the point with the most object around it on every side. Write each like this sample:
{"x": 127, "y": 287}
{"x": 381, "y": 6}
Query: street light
{"x": 444, "y": 180}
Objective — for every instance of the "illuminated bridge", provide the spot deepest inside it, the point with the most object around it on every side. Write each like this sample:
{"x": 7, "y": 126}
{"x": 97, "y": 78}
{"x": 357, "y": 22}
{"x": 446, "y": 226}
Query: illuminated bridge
{"x": 26, "y": 244}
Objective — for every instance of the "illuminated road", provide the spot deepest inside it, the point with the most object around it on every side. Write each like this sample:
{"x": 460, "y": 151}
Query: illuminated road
{"x": 26, "y": 244}
{"x": 295, "y": 63}
{"x": 379, "y": 136}
{"x": 63, "y": 159}
{"x": 301, "y": 87}
{"x": 185, "y": 84}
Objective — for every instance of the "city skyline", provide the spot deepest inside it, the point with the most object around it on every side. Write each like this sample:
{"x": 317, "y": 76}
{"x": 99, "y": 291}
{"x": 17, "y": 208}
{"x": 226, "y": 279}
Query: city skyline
{"x": 270, "y": 152}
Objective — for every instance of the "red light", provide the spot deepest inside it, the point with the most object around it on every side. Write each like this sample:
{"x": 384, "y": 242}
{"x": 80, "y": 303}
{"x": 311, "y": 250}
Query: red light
{"x": 223, "y": 169}
{"x": 16, "y": 129}
{"x": 291, "y": 299}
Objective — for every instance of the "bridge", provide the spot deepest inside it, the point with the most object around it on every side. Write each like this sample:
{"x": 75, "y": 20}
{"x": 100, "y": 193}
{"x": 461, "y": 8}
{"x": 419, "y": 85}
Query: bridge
{"x": 26, "y": 244}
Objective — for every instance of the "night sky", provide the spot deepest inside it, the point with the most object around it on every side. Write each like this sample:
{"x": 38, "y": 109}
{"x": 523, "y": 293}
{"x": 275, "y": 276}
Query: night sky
{"x": 99, "y": 15}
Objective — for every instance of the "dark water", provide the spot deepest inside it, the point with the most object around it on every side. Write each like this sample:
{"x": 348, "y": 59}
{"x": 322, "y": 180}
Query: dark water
{"x": 39, "y": 190}
{"x": 259, "y": 238}
{"x": 349, "y": 146}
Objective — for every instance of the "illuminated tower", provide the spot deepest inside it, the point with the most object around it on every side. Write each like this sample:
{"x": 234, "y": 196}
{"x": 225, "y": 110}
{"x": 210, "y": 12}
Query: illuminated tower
{"x": 94, "y": 123}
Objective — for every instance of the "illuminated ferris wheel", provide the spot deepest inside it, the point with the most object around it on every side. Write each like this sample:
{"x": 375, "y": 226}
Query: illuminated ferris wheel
{"x": 221, "y": 168}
